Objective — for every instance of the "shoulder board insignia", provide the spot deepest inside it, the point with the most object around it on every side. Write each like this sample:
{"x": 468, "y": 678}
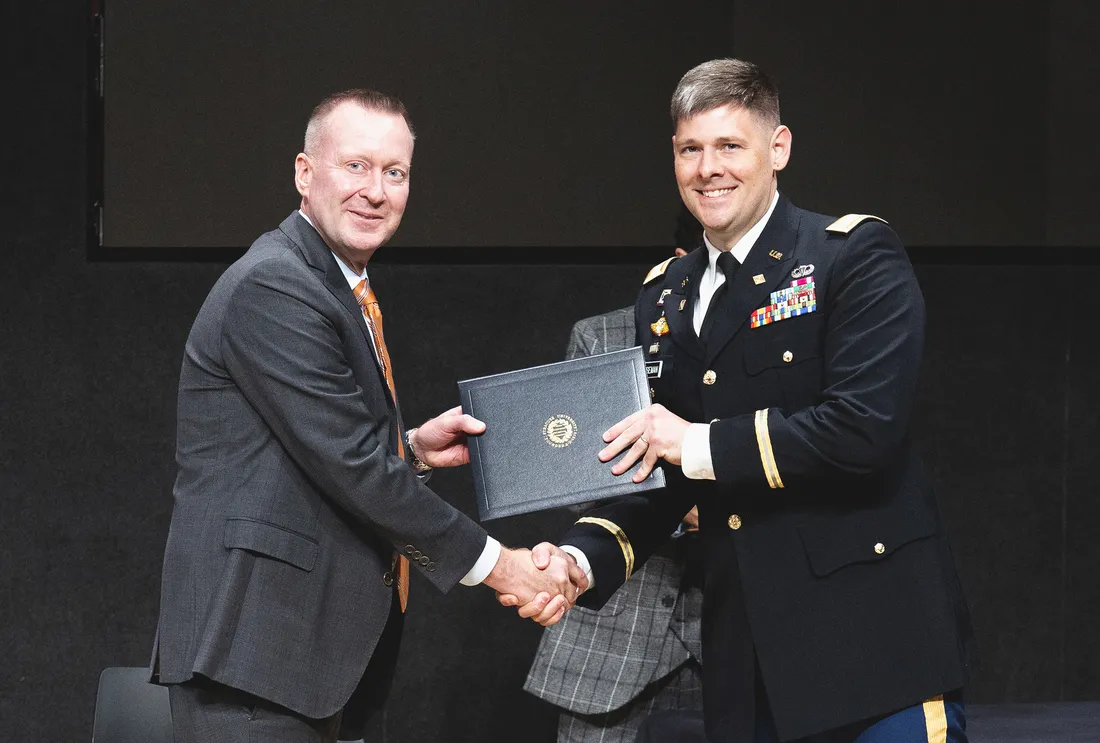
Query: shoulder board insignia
{"x": 658, "y": 269}
{"x": 848, "y": 222}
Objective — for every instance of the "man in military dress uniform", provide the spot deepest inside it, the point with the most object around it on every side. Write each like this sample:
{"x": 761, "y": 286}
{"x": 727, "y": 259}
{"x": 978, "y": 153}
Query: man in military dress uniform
{"x": 787, "y": 348}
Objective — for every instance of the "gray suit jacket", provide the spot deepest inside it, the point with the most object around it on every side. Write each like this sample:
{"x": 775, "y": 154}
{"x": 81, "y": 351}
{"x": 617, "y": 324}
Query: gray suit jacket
{"x": 290, "y": 498}
{"x": 597, "y": 661}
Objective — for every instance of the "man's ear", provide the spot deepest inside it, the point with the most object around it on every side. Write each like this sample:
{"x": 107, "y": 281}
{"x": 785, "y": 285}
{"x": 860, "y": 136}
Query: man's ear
{"x": 303, "y": 173}
{"x": 781, "y": 147}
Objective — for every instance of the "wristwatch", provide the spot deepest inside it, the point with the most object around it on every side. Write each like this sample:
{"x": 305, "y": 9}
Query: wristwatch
{"x": 410, "y": 454}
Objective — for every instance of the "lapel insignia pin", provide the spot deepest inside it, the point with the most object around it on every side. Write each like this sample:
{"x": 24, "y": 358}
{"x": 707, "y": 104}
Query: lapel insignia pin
{"x": 661, "y": 300}
{"x": 758, "y": 279}
{"x": 775, "y": 254}
{"x": 660, "y": 327}
{"x": 801, "y": 271}
{"x": 655, "y": 348}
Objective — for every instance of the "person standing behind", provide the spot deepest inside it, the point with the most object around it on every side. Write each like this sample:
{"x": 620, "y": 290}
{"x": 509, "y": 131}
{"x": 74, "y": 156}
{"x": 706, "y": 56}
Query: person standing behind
{"x": 300, "y": 507}
{"x": 642, "y": 651}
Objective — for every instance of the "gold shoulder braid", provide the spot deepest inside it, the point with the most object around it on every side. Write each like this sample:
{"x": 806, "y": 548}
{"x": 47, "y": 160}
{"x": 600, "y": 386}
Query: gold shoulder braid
{"x": 658, "y": 269}
{"x": 849, "y": 222}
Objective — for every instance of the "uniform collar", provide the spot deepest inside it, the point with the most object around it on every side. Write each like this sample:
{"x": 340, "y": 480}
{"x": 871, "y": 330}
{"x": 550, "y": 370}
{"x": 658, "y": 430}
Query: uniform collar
{"x": 742, "y": 247}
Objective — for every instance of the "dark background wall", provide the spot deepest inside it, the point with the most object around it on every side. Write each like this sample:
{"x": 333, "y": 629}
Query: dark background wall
{"x": 552, "y": 124}
{"x": 90, "y": 351}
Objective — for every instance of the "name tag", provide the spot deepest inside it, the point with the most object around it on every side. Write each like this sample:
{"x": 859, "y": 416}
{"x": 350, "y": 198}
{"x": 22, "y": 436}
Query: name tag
{"x": 653, "y": 369}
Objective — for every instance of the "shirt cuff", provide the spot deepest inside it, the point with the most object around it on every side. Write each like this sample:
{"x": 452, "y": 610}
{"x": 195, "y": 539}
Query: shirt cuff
{"x": 695, "y": 453}
{"x": 484, "y": 565}
{"x": 582, "y": 563}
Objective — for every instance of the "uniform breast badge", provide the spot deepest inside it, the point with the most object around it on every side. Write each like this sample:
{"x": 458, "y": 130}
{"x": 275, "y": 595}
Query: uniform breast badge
{"x": 661, "y": 299}
{"x": 660, "y": 327}
{"x": 799, "y": 298}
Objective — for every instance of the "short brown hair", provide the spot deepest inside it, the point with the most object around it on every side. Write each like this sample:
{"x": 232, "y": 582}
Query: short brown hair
{"x": 724, "y": 82}
{"x": 372, "y": 100}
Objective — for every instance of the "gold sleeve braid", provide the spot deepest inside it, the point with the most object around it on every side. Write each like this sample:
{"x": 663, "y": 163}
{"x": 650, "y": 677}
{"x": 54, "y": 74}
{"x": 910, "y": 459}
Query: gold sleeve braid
{"x": 620, "y": 535}
{"x": 767, "y": 456}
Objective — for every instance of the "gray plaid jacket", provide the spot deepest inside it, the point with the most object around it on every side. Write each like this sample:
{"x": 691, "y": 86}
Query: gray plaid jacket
{"x": 597, "y": 661}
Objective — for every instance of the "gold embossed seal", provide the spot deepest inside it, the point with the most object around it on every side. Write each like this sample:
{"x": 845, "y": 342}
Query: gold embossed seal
{"x": 559, "y": 431}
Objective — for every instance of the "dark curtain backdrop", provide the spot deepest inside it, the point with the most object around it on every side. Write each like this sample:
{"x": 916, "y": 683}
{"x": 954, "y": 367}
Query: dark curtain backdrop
{"x": 90, "y": 352}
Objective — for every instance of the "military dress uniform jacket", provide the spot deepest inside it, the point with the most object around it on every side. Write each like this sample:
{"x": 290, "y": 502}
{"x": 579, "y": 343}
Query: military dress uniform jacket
{"x": 291, "y": 497}
{"x": 820, "y": 530}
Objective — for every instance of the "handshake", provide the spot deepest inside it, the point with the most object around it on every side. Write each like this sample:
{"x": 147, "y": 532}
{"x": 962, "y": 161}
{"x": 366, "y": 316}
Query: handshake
{"x": 543, "y": 582}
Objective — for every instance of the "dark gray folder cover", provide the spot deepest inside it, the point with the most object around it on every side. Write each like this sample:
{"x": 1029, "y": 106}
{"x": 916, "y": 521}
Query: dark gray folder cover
{"x": 544, "y": 427}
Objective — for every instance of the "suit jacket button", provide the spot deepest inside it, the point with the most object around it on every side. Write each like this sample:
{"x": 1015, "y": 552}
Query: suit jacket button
{"x": 430, "y": 567}
{"x": 788, "y": 356}
{"x": 387, "y": 578}
{"x": 424, "y": 560}
{"x": 409, "y": 549}
{"x": 668, "y": 601}
{"x": 880, "y": 548}
{"x": 734, "y": 521}
{"x": 709, "y": 377}
{"x": 416, "y": 554}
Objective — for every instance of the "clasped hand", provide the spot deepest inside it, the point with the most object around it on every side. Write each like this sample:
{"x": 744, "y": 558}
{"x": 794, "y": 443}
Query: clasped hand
{"x": 543, "y": 582}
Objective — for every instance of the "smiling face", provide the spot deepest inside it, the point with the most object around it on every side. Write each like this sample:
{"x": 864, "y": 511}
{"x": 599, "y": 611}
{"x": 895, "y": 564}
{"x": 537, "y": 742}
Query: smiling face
{"x": 726, "y": 163}
{"x": 355, "y": 185}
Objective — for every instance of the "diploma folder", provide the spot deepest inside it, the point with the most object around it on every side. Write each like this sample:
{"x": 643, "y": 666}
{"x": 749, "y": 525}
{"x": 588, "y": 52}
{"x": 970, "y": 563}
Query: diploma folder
{"x": 544, "y": 428}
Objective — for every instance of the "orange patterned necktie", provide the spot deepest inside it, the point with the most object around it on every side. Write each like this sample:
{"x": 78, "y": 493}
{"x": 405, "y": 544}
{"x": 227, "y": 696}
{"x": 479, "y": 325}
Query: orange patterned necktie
{"x": 364, "y": 295}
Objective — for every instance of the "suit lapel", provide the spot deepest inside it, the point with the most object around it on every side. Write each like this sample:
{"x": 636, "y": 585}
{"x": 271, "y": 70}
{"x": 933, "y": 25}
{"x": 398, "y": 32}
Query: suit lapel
{"x": 319, "y": 257}
{"x": 679, "y": 321}
{"x": 770, "y": 257}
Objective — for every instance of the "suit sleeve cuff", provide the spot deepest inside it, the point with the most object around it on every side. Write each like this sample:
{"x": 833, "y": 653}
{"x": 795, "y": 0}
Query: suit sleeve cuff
{"x": 484, "y": 565}
{"x": 582, "y": 563}
{"x": 695, "y": 455}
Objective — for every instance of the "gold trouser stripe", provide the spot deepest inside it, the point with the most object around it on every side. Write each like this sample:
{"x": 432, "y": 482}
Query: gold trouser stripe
{"x": 767, "y": 457}
{"x": 935, "y": 720}
{"x": 620, "y": 535}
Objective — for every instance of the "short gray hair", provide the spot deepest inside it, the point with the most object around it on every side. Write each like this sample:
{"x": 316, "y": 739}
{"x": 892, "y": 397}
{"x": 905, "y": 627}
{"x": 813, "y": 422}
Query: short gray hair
{"x": 371, "y": 100}
{"x": 725, "y": 82}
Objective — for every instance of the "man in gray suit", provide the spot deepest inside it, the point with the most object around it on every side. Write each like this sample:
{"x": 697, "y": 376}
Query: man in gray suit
{"x": 300, "y": 502}
{"x": 642, "y": 651}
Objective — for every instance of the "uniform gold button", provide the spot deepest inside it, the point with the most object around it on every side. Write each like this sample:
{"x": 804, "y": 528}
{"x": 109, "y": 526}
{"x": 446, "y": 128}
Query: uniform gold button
{"x": 787, "y": 356}
{"x": 709, "y": 377}
{"x": 880, "y": 548}
{"x": 652, "y": 394}
{"x": 734, "y": 521}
